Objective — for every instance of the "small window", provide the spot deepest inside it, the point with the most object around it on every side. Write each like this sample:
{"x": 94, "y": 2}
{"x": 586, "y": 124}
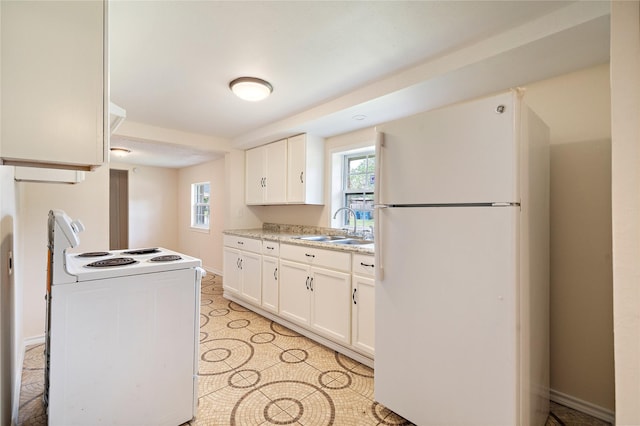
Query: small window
{"x": 356, "y": 188}
{"x": 200, "y": 205}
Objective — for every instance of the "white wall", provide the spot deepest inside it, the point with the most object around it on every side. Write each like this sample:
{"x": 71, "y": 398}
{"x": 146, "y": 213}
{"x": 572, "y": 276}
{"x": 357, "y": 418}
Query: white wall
{"x": 576, "y": 107}
{"x": 87, "y": 201}
{"x": 153, "y": 206}
{"x": 10, "y": 300}
{"x": 237, "y": 215}
{"x": 205, "y": 245}
{"x": 625, "y": 124}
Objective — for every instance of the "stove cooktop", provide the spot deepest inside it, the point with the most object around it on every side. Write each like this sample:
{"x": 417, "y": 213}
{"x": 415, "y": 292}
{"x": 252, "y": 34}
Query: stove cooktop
{"x": 116, "y": 263}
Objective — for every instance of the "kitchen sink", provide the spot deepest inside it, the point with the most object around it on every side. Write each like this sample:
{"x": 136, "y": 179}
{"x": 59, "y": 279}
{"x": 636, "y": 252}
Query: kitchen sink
{"x": 322, "y": 238}
{"x": 352, "y": 242}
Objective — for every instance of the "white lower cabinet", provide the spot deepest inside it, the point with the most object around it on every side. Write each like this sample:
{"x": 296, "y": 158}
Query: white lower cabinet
{"x": 363, "y": 314}
{"x": 330, "y": 304}
{"x": 328, "y": 292}
{"x": 251, "y": 270}
{"x": 243, "y": 268}
{"x": 294, "y": 292}
{"x": 231, "y": 264}
{"x": 315, "y": 296}
{"x": 363, "y": 304}
{"x": 270, "y": 291}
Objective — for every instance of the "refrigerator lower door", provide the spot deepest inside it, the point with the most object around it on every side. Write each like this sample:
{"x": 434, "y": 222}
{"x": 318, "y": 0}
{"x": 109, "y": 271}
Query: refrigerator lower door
{"x": 447, "y": 315}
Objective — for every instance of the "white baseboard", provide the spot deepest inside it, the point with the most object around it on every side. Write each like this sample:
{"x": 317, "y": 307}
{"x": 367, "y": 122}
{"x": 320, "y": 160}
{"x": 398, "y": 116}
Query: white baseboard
{"x": 212, "y": 271}
{"x": 34, "y": 340}
{"x": 583, "y": 406}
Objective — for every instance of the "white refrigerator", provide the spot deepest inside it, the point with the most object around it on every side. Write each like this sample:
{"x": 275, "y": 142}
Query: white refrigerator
{"x": 462, "y": 268}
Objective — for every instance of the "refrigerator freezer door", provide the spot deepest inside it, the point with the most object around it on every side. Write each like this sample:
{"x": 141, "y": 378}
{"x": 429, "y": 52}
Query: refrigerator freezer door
{"x": 446, "y": 315}
{"x": 465, "y": 153}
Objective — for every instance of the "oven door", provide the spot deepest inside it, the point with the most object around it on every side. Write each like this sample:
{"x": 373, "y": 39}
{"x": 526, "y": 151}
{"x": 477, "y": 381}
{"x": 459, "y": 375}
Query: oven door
{"x": 122, "y": 350}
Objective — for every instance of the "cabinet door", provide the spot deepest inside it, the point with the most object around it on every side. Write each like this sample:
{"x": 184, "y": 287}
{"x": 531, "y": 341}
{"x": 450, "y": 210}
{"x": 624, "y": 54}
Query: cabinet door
{"x": 53, "y": 83}
{"x": 294, "y": 292}
{"x": 231, "y": 280}
{"x": 331, "y": 304}
{"x": 270, "y": 283}
{"x": 251, "y": 270}
{"x": 276, "y": 176}
{"x": 296, "y": 165}
{"x": 363, "y": 314}
{"x": 254, "y": 176}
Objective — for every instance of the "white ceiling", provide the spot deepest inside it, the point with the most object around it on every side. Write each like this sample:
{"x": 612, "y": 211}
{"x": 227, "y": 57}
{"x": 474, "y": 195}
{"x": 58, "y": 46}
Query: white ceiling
{"x": 171, "y": 61}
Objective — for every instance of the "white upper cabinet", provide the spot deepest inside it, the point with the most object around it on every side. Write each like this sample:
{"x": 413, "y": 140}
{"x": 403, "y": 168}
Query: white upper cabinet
{"x": 289, "y": 171}
{"x": 305, "y": 168}
{"x": 266, "y": 174}
{"x": 54, "y": 84}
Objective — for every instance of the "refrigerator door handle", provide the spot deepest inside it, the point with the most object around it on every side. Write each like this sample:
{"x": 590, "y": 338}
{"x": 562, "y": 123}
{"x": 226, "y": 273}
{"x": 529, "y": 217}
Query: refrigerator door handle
{"x": 377, "y": 238}
{"x": 377, "y": 182}
{"x": 377, "y": 188}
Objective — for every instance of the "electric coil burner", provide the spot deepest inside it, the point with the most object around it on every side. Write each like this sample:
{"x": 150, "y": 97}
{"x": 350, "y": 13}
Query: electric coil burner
{"x": 142, "y": 251}
{"x": 94, "y": 254}
{"x": 116, "y": 261}
{"x": 165, "y": 258}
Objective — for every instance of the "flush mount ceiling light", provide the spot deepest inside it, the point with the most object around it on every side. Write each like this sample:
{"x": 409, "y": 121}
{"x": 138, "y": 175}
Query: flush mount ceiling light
{"x": 120, "y": 152}
{"x": 251, "y": 88}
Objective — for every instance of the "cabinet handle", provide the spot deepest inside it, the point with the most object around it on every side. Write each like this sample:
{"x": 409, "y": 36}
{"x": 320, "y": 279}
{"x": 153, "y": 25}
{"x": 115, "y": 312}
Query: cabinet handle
{"x": 353, "y": 296}
{"x": 311, "y": 284}
{"x": 307, "y": 283}
{"x": 310, "y": 255}
{"x": 240, "y": 263}
{"x": 275, "y": 274}
{"x": 241, "y": 243}
{"x": 301, "y": 180}
{"x": 265, "y": 182}
{"x": 270, "y": 248}
{"x": 367, "y": 264}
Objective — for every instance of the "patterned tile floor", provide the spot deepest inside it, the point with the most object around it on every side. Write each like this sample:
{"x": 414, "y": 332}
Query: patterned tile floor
{"x": 256, "y": 372}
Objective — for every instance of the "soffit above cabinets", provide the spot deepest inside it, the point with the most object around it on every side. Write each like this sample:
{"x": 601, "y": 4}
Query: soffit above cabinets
{"x": 171, "y": 62}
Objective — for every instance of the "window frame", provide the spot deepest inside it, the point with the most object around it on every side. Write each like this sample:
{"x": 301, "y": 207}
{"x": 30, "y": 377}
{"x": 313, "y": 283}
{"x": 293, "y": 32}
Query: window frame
{"x": 346, "y": 156}
{"x": 197, "y": 189}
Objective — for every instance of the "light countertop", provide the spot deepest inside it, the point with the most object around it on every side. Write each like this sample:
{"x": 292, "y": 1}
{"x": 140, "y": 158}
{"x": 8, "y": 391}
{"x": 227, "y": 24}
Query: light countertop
{"x": 288, "y": 233}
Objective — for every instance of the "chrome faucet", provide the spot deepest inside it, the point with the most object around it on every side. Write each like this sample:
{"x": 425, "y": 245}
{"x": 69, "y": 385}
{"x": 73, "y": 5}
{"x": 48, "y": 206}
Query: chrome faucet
{"x": 354, "y": 217}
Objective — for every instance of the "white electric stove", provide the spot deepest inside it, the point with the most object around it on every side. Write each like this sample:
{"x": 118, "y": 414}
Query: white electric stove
{"x": 122, "y": 333}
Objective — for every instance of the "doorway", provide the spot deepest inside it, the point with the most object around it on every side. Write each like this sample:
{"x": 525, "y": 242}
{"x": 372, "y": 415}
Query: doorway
{"x": 118, "y": 209}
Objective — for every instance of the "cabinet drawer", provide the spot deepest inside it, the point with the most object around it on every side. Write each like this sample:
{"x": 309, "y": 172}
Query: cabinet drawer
{"x": 331, "y": 259}
{"x": 242, "y": 243}
{"x": 271, "y": 248}
{"x": 363, "y": 265}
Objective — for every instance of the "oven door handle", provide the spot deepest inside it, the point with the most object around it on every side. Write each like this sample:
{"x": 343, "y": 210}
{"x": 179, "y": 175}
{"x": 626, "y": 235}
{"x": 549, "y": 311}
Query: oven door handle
{"x": 200, "y": 272}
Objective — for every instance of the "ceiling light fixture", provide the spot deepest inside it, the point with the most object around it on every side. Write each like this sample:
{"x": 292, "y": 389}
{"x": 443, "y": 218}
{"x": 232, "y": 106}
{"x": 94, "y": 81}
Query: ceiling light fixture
{"x": 251, "y": 88}
{"x": 120, "y": 152}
